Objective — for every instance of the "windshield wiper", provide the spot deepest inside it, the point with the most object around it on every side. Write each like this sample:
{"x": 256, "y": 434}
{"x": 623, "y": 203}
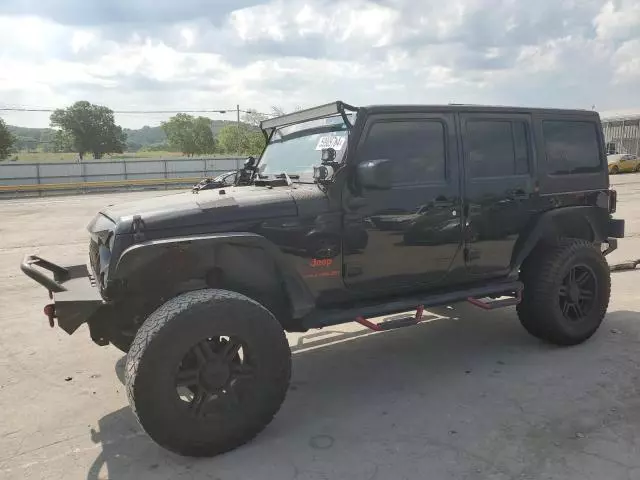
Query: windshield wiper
{"x": 281, "y": 176}
{"x": 288, "y": 178}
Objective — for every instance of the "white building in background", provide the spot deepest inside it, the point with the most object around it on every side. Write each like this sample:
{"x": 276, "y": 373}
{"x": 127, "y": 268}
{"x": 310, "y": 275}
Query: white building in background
{"x": 622, "y": 134}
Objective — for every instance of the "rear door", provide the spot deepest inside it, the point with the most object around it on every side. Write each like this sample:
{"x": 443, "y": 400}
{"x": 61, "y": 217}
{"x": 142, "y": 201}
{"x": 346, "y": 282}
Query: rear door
{"x": 499, "y": 188}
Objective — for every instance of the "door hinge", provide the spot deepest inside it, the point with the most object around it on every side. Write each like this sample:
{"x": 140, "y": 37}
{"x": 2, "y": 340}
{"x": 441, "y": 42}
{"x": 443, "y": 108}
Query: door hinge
{"x": 471, "y": 254}
{"x": 353, "y": 270}
{"x": 137, "y": 226}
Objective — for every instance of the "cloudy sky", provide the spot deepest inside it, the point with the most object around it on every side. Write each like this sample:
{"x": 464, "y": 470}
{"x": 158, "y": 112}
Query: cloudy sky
{"x": 214, "y": 54}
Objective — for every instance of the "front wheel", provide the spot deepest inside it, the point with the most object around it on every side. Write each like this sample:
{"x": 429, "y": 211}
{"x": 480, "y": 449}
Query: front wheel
{"x": 566, "y": 292}
{"x": 207, "y": 372}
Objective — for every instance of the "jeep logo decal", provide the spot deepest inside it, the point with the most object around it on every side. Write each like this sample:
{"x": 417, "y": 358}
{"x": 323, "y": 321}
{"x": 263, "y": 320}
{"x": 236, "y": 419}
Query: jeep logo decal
{"x": 316, "y": 263}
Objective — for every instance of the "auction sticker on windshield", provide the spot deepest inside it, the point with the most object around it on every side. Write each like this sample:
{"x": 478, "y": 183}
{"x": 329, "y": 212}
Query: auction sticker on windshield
{"x": 330, "y": 142}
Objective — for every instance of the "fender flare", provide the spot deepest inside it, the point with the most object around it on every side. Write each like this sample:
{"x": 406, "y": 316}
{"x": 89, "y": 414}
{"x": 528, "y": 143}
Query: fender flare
{"x": 199, "y": 251}
{"x": 539, "y": 227}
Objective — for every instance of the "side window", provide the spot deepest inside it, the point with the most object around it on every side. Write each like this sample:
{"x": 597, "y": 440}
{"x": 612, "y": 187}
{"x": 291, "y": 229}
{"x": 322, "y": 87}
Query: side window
{"x": 571, "y": 146}
{"x": 416, "y": 148}
{"x": 497, "y": 148}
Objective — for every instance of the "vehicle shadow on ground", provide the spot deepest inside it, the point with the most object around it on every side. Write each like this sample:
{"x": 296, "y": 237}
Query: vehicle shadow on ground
{"x": 357, "y": 391}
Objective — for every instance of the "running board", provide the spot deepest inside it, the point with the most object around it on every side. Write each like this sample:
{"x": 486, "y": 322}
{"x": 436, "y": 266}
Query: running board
{"x": 391, "y": 323}
{"x": 326, "y": 317}
{"x": 489, "y": 304}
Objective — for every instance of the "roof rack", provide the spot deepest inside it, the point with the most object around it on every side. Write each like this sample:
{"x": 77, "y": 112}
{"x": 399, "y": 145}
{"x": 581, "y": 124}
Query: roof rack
{"x": 313, "y": 113}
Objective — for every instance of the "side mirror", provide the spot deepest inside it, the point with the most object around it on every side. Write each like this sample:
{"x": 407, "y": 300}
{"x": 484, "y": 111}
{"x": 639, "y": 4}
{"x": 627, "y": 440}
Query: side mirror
{"x": 250, "y": 162}
{"x": 375, "y": 174}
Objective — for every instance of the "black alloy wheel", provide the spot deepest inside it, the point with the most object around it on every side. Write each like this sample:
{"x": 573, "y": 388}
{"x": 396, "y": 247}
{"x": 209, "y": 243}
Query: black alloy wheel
{"x": 578, "y": 292}
{"x": 209, "y": 378}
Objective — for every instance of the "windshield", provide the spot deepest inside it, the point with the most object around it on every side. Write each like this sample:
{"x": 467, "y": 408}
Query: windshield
{"x": 296, "y": 149}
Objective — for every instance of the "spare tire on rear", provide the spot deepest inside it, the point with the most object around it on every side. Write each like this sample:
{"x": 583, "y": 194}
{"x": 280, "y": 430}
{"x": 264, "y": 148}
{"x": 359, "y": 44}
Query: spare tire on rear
{"x": 207, "y": 371}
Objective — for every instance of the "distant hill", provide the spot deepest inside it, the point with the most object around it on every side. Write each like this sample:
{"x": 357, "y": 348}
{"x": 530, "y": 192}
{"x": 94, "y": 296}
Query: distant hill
{"x": 145, "y": 137}
{"x": 31, "y": 139}
{"x": 38, "y": 139}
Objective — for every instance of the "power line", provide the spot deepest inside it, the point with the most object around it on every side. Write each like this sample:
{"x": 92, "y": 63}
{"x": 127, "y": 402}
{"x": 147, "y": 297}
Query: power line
{"x": 139, "y": 112}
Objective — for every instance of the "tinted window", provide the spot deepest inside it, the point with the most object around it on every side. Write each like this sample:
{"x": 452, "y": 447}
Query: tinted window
{"x": 572, "y": 147}
{"x": 416, "y": 148}
{"x": 497, "y": 148}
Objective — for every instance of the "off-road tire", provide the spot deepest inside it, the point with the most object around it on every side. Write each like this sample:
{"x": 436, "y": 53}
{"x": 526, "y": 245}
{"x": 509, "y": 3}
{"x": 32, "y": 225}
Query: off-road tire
{"x": 174, "y": 328}
{"x": 542, "y": 274}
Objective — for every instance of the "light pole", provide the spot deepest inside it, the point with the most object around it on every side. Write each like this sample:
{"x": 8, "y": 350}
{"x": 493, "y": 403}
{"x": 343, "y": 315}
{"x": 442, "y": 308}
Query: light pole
{"x": 238, "y": 128}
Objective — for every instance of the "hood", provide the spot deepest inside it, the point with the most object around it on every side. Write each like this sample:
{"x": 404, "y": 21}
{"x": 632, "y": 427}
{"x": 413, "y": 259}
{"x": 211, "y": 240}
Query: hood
{"x": 208, "y": 207}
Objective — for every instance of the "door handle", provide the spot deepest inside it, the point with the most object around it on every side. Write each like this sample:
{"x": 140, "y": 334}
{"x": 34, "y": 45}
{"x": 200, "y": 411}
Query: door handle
{"x": 442, "y": 202}
{"x": 518, "y": 194}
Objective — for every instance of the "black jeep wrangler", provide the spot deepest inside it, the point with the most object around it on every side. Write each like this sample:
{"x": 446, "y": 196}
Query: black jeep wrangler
{"x": 349, "y": 214}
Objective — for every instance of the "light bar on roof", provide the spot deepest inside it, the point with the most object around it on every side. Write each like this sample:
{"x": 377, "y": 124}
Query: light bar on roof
{"x": 314, "y": 113}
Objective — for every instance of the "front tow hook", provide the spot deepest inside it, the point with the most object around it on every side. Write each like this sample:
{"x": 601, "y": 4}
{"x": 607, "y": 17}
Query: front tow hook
{"x": 50, "y": 312}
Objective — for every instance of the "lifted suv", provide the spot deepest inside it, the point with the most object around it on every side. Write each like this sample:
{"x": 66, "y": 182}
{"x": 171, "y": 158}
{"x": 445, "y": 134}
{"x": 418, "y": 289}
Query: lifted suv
{"x": 349, "y": 214}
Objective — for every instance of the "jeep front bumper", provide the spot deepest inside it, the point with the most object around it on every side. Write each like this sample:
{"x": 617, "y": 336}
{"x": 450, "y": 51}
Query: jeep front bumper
{"x": 76, "y": 300}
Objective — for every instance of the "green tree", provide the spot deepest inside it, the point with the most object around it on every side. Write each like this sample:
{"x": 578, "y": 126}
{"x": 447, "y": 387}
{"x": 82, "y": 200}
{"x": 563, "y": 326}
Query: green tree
{"x": 203, "y": 136}
{"x": 62, "y": 142}
{"x": 92, "y": 128}
{"x": 256, "y": 142}
{"x": 189, "y": 134}
{"x": 240, "y": 139}
{"x": 6, "y": 140}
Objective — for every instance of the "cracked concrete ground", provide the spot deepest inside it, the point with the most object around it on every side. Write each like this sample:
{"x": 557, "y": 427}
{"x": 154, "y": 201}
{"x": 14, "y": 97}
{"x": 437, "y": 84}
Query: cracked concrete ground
{"x": 467, "y": 395}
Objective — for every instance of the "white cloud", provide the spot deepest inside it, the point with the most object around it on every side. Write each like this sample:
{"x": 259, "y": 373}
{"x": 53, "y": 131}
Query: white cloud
{"x": 618, "y": 20}
{"x": 627, "y": 62}
{"x": 189, "y": 36}
{"x": 303, "y": 52}
{"x": 81, "y": 40}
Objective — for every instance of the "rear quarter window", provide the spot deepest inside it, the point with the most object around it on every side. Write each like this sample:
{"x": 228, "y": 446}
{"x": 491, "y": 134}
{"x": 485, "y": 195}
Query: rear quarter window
{"x": 571, "y": 147}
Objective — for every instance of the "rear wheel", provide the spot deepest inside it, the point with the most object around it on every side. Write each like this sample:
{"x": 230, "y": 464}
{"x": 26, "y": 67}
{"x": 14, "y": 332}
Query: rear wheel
{"x": 207, "y": 372}
{"x": 566, "y": 292}
{"x": 615, "y": 170}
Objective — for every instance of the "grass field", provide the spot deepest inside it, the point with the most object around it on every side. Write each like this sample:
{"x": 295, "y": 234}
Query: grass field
{"x": 39, "y": 157}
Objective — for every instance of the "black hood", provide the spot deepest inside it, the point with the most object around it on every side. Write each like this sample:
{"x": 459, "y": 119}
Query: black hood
{"x": 208, "y": 207}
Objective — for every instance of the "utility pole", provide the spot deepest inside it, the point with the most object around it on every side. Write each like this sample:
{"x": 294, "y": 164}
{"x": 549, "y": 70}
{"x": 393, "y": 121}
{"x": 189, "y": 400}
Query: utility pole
{"x": 238, "y": 128}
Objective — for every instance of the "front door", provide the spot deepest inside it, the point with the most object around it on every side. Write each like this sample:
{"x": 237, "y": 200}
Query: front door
{"x": 414, "y": 229}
